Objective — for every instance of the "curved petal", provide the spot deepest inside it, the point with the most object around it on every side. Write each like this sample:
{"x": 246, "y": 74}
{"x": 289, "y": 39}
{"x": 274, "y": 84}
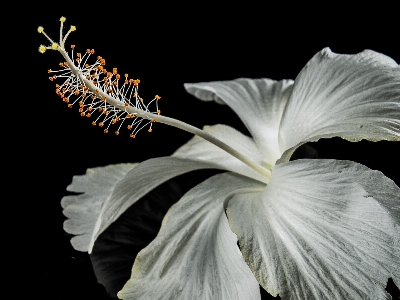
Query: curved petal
{"x": 115, "y": 250}
{"x": 351, "y": 96}
{"x": 137, "y": 183}
{"x": 258, "y": 102}
{"x": 195, "y": 255}
{"x": 83, "y": 210}
{"x": 199, "y": 149}
{"x": 322, "y": 229}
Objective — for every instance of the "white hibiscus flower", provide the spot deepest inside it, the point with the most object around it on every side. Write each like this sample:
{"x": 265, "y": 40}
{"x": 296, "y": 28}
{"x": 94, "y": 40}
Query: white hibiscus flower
{"x": 307, "y": 229}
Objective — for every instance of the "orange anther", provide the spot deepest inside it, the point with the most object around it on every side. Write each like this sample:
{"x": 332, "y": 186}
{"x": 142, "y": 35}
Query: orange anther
{"x": 105, "y": 130}
{"x": 154, "y": 120}
{"x": 49, "y": 71}
{"x": 66, "y": 100}
{"x": 126, "y": 82}
{"x": 77, "y": 59}
{"x": 126, "y": 75}
{"x": 100, "y": 109}
{"x": 103, "y": 98}
{"x": 87, "y": 50}
{"x": 82, "y": 114}
{"x": 109, "y": 74}
{"x": 157, "y": 97}
{"x": 101, "y": 124}
{"x": 61, "y": 64}
{"x": 76, "y": 92}
{"x": 96, "y": 91}
{"x": 90, "y": 108}
{"x": 72, "y": 46}
{"x": 84, "y": 95}
{"x": 81, "y": 103}
{"x": 94, "y": 123}
{"x": 65, "y": 64}
{"x": 118, "y": 76}
{"x": 70, "y": 105}
{"x": 92, "y": 51}
{"x": 114, "y": 83}
{"x": 129, "y": 126}
{"x": 117, "y": 132}
{"x": 115, "y": 71}
{"x": 132, "y": 135}
{"x": 113, "y": 121}
{"x": 51, "y": 78}
{"x": 88, "y": 115}
{"x": 158, "y": 111}
{"x": 126, "y": 104}
{"x": 57, "y": 85}
{"x": 150, "y": 130}
{"x": 87, "y": 76}
{"x": 86, "y": 65}
{"x": 141, "y": 99}
{"x": 93, "y": 96}
{"x": 131, "y": 80}
{"x": 81, "y": 109}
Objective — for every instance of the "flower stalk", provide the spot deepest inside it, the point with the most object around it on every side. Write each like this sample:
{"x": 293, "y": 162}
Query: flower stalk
{"x": 106, "y": 99}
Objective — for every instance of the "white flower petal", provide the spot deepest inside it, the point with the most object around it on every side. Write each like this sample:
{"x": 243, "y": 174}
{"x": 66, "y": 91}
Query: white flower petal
{"x": 83, "y": 210}
{"x": 322, "y": 229}
{"x": 137, "y": 183}
{"x": 199, "y": 149}
{"x": 258, "y": 102}
{"x": 195, "y": 255}
{"x": 352, "y": 96}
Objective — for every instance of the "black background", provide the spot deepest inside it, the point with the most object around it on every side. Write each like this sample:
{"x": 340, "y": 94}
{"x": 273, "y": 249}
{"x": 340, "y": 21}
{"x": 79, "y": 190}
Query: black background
{"x": 164, "y": 46}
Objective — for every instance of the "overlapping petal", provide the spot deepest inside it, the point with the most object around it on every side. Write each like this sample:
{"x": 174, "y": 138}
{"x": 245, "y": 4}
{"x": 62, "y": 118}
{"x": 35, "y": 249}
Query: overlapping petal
{"x": 258, "y": 102}
{"x": 199, "y": 149}
{"x": 195, "y": 256}
{"x": 322, "y": 229}
{"x": 137, "y": 183}
{"x": 352, "y": 96}
{"x": 83, "y": 210}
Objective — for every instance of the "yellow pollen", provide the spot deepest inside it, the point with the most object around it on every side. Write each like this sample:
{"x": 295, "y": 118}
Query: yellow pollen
{"x": 62, "y": 19}
{"x": 54, "y": 46}
{"x": 42, "y": 49}
{"x": 40, "y": 29}
{"x": 73, "y": 28}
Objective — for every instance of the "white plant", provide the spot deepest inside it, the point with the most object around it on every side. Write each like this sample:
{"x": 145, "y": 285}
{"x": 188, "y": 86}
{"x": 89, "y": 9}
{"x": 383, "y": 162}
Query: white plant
{"x": 308, "y": 229}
